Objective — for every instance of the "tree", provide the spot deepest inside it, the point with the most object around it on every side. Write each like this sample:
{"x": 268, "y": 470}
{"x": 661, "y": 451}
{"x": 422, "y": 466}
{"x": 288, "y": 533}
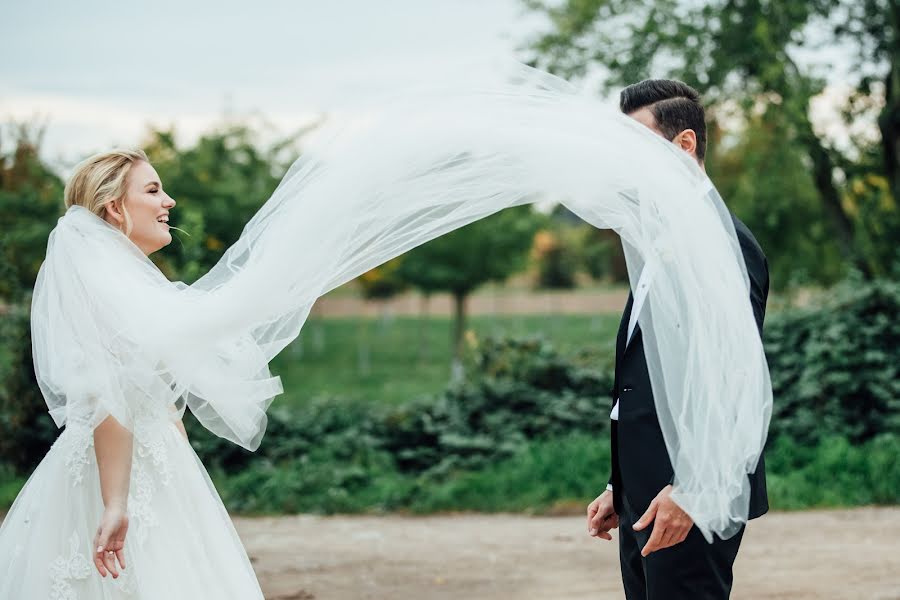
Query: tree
{"x": 31, "y": 200}
{"x": 219, "y": 183}
{"x": 733, "y": 51}
{"x": 769, "y": 185}
{"x": 554, "y": 257}
{"x": 597, "y": 252}
{"x": 383, "y": 282}
{"x": 459, "y": 262}
{"x": 873, "y": 183}
{"x": 602, "y": 255}
{"x": 874, "y": 27}
{"x": 556, "y": 249}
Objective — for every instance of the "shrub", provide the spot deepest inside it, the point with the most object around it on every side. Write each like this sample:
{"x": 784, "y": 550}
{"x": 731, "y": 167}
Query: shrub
{"x": 836, "y": 367}
{"x": 26, "y": 429}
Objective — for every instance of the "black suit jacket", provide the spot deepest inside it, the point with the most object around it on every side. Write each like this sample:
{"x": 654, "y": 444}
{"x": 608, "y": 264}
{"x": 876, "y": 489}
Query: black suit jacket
{"x": 640, "y": 461}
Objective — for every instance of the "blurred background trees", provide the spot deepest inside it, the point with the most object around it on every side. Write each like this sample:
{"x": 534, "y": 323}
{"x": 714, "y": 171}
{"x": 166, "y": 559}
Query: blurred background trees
{"x": 219, "y": 183}
{"x": 459, "y": 262}
{"x": 740, "y": 55}
{"x": 31, "y": 199}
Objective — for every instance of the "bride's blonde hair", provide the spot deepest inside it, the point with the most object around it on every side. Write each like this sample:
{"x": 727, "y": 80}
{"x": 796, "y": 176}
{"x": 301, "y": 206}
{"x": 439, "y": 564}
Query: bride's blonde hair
{"x": 103, "y": 178}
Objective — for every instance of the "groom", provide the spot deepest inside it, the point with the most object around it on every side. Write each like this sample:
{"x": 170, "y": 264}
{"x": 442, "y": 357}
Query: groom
{"x": 662, "y": 555}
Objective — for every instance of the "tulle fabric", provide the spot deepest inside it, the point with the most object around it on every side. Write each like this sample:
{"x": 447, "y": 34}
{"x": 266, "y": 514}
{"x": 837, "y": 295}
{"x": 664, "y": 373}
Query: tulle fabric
{"x": 110, "y": 330}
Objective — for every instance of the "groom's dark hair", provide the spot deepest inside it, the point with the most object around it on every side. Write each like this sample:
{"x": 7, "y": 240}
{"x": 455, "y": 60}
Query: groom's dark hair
{"x": 675, "y": 105}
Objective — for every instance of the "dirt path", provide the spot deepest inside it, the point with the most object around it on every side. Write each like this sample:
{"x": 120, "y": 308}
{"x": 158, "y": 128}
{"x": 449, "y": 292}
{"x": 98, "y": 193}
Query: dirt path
{"x": 818, "y": 555}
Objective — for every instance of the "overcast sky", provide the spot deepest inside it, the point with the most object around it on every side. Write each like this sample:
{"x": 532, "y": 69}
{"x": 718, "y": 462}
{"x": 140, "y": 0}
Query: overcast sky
{"x": 99, "y": 72}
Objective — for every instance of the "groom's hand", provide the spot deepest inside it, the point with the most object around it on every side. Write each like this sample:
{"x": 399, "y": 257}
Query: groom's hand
{"x": 601, "y": 516}
{"x": 672, "y": 524}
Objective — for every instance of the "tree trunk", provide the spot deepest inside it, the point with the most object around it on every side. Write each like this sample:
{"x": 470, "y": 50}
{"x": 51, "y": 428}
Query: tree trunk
{"x": 459, "y": 323}
{"x": 424, "y": 347}
{"x": 889, "y": 119}
{"x": 823, "y": 177}
{"x": 459, "y": 328}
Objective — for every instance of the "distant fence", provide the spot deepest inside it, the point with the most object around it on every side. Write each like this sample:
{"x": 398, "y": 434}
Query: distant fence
{"x": 500, "y": 302}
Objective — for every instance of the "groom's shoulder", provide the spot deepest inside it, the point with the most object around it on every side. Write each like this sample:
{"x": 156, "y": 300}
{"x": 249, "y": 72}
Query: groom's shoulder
{"x": 754, "y": 257}
{"x": 746, "y": 238}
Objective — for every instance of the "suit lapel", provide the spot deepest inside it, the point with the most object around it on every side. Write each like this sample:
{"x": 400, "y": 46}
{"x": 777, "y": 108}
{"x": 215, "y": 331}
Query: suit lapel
{"x": 622, "y": 336}
{"x": 635, "y": 334}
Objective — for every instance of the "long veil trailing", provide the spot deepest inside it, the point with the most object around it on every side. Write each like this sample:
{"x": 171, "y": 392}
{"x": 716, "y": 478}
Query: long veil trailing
{"x": 108, "y": 328}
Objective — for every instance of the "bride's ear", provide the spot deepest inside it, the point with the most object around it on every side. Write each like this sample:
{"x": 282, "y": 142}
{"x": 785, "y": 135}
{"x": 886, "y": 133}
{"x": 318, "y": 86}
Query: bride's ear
{"x": 113, "y": 213}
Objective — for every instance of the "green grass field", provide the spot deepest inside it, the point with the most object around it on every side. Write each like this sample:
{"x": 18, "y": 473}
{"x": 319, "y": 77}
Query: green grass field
{"x": 398, "y": 359}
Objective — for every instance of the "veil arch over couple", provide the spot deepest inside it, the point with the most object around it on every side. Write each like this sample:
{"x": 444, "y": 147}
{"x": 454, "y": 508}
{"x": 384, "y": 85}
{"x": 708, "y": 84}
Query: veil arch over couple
{"x": 122, "y": 507}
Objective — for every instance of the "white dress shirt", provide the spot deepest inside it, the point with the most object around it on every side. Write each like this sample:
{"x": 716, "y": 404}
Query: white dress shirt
{"x": 640, "y": 296}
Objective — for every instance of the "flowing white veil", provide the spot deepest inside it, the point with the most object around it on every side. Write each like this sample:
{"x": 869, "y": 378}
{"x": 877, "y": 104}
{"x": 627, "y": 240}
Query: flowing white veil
{"x": 112, "y": 335}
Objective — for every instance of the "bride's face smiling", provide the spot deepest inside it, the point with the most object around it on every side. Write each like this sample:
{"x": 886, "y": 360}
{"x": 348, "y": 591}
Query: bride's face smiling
{"x": 148, "y": 208}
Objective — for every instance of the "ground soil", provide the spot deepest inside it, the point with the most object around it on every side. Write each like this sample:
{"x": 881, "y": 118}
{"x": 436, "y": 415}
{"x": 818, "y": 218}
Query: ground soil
{"x": 841, "y": 554}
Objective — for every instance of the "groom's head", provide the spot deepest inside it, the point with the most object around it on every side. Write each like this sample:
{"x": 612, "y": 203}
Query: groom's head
{"x": 670, "y": 108}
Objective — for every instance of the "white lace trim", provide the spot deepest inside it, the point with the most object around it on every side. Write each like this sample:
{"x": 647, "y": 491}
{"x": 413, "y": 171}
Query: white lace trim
{"x": 77, "y": 440}
{"x": 149, "y": 469}
{"x": 64, "y": 569}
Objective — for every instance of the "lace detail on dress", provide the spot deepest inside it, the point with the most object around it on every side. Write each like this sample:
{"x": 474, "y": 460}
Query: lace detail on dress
{"x": 140, "y": 497}
{"x": 150, "y": 443}
{"x": 66, "y": 568}
{"x": 126, "y": 581}
{"x": 149, "y": 469}
{"x": 77, "y": 440}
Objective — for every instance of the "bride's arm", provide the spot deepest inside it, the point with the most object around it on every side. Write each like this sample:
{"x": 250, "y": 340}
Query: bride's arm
{"x": 179, "y": 422}
{"x": 113, "y": 445}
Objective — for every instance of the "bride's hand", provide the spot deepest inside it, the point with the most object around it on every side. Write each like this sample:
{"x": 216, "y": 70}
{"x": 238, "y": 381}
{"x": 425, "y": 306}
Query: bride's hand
{"x": 109, "y": 543}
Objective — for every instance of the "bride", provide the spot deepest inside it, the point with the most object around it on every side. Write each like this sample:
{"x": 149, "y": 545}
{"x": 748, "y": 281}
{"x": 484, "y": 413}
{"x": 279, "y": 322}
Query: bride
{"x": 125, "y": 464}
{"x": 120, "y": 351}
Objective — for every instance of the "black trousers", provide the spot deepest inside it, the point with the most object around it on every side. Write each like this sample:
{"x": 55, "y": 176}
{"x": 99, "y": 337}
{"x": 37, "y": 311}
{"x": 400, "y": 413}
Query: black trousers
{"x": 691, "y": 570}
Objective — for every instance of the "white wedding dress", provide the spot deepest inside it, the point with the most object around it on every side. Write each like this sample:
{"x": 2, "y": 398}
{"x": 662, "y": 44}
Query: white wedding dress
{"x": 181, "y": 543}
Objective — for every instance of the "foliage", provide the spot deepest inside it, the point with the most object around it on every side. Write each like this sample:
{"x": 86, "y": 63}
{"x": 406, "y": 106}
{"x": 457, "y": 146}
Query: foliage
{"x": 479, "y": 443}
{"x": 561, "y": 473}
{"x": 459, "y": 262}
{"x": 517, "y": 390}
{"x": 219, "y": 183}
{"x": 383, "y": 281}
{"x": 336, "y": 456}
{"x": 10, "y": 486}
{"x": 26, "y": 429}
{"x": 555, "y": 256}
{"x": 833, "y": 472}
{"x": 741, "y": 55}
{"x": 767, "y": 183}
{"x": 868, "y": 199}
{"x": 31, "y": 199}
{"x": 555, "y": 474}
{"x": 602, "y": 255}
{"x": 836, "y": 368}
{"x": 491, "y": 249}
